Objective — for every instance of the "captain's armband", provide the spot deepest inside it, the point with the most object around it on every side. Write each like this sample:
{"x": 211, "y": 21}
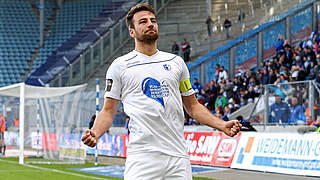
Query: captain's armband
{"x": 185, "y": 85}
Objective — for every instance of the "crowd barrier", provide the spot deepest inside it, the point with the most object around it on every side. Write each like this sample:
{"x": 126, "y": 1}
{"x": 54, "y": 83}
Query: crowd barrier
{"x": 286, "y": 153}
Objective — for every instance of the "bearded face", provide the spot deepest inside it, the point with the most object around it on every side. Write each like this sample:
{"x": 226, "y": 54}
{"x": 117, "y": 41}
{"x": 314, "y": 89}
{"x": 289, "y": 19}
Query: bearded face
{"x": 148, "y": 36}
{"x": 145, "y": 27}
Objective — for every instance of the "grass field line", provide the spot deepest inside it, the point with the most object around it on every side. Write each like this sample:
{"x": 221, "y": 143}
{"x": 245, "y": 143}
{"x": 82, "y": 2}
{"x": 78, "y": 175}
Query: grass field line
{"x": 53, "y": 170}
{"x": 16, "y": 170}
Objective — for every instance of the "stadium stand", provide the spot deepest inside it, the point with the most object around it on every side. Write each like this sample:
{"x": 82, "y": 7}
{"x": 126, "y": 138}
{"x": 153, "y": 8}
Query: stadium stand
{"x": 246, "y": 44}
{"x": 74, "y": 31}
{"x": 166, "y": 21}
{"x": 19, "y": 34}
{"x": 64, "y": 25}
{"x": 70, "y": 19}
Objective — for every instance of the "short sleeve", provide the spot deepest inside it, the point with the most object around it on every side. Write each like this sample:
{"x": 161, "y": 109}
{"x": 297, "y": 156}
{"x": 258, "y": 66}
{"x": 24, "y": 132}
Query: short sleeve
{"x": 113, "y": 81}
{"x": 185, "y": 85}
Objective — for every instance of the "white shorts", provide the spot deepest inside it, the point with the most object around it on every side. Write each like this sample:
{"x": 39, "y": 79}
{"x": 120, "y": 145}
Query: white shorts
{"x": 157, "y": 166}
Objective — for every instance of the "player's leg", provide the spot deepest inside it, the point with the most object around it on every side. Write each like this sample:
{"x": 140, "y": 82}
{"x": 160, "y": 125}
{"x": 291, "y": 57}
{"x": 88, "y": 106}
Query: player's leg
{"x": 145, "y": 166}
{"x": 4, "y": 149}
{"x": 178, "y": 169}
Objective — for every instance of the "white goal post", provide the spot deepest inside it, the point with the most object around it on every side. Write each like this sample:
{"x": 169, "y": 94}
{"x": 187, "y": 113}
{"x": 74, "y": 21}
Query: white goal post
{"x": 23, "y": 92}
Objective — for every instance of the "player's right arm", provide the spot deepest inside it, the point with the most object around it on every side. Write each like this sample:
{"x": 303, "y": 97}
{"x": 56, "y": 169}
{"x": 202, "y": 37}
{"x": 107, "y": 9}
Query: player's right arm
{"x": 102, "y": 123}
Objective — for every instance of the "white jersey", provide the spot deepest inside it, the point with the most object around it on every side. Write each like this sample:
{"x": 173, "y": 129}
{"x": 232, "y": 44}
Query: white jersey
{"x": 150, "y": 88}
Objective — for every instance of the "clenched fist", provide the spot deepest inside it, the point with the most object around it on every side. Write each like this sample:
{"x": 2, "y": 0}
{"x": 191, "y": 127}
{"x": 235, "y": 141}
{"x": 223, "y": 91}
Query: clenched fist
{"x": 232, "y": 127}
{"x": 89, "y": 138}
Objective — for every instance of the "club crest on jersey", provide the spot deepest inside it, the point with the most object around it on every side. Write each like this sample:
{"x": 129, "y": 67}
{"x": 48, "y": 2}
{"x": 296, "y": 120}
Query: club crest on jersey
{"x": 155, "y": 90}
{"x": 167, "y": 67}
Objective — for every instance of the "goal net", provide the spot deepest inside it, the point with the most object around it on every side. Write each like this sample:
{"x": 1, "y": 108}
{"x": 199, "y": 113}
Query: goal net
{"x": 43, "y": 122}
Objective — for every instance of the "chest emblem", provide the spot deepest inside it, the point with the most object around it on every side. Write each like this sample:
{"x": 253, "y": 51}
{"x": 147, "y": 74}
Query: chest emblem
{"x": 167, "y": 67}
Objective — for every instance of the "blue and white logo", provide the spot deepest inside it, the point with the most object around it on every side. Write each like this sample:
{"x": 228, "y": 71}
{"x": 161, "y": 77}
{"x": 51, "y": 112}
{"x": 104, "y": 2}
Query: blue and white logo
{"x": 167, "y": 67}
{"x": 155, "y": 90}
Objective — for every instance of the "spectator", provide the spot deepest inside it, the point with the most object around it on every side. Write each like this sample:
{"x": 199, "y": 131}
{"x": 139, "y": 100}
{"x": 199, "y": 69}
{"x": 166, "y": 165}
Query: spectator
{"x": 272, "y": 77}
{"x": 296, "y": 112}
{"x": 251, "y": 93}
{"x": 221, "y": 100}
{"x": 301, "y": 73}
{"x": 279, "y": 44}
{"x": 276, "y": 62}
{"x": 175, "y": 48}
{"x": 196, "y": 86}
{"x": 311, "y": 53}
{"x": 279, "y": 111}
{"x": 186, "y": 48}
{"x": 307, "y": 42}
{"x": 216, "y": 74}
{"x": 224, "y": 116}
{"x": 229, "y": 89}
{"x": 227, "y": 110}
{"x": 310, "y": 63}
{"x": 310, "y": 121}
{"x": 203, "y": 98}
{"x": 312, "y": 126}
{"x": 227, "y": 25}
{"x": 212, "y": 92}
{"x": 246, "y": 125}
{"x": 235, "y": 105}
{"x": 16, "y": 122}
{"x": 303, "y": 53}
{"x": 288, "y": 55}
{"x": 232, "y": 107}
{"x": 223, "y": 75}
{"x": 295, "y": 72}
{"x": 220, "y": 114}
{"x": 209, "y": 23}
{"x": 265, "y": 77}
{"x": 241, "y": 17}
{"x": 314, "y": 70}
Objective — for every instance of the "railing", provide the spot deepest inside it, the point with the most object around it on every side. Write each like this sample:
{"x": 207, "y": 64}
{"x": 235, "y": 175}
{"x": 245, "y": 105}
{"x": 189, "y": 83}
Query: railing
{"x": 296, "y": 101}
{"x": 100, "y": 53}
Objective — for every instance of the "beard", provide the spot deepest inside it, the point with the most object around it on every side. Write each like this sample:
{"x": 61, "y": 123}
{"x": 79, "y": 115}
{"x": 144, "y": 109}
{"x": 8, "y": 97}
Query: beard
{"x": 147, "y": 38}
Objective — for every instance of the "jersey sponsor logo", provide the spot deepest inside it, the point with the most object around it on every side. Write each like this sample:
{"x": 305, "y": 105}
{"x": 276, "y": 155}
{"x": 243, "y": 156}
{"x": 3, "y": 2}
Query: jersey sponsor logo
{"x": 167, "y": 67}
{"x": 155, "y": 90}
{"x": 185, "y": 85}
{"x": 109, "y": 83}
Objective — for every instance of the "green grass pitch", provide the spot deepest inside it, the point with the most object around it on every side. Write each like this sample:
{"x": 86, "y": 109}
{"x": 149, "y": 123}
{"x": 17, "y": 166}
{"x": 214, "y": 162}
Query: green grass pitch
{"x": 11, "y": 170}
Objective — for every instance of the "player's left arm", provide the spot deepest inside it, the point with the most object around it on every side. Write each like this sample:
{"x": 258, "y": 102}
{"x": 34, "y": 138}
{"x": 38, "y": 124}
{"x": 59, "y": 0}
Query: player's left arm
{"x": 204, "y": 116}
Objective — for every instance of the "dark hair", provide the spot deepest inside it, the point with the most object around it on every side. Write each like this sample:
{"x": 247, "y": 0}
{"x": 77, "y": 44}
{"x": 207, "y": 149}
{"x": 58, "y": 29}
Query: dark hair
{"x": 239, "y": 118}
{"x": 137, "y": 8}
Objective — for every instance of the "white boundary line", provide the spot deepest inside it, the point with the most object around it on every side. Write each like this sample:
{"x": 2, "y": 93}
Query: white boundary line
{"x": 54, "y": 170}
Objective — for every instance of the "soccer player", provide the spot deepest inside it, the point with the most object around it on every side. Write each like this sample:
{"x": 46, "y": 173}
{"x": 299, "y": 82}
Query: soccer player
{"x": 153, "y": 86}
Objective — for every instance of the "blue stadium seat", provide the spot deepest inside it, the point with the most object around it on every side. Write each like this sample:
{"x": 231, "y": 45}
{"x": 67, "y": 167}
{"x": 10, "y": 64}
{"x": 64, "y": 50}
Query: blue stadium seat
{"x": 19, "y": 33}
